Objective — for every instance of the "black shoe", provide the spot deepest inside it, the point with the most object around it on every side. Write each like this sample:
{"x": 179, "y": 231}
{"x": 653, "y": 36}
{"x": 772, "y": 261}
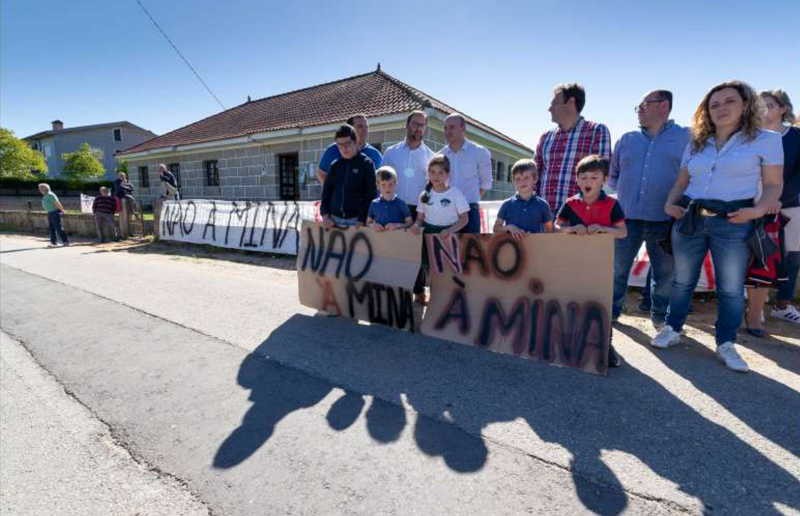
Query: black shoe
{"x": 614, "y": 360}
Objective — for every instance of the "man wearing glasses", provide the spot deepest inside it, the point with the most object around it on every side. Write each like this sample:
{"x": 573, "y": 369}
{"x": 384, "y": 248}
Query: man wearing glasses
{"x": 644, "y": 167}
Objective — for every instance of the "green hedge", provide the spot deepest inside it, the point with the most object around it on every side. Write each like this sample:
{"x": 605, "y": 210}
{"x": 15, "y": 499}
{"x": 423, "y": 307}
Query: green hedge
{"x": 28, "y": 186}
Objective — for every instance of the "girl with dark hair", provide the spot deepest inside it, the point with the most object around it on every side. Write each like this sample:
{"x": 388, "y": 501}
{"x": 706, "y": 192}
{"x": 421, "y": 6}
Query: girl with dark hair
{"x": 442, "y": 209}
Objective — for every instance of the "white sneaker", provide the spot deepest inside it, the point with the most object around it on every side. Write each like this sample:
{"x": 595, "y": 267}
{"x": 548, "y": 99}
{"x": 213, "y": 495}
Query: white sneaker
{"x": 665, "y": 337}
{"x": 790, "y": 313}
{"x": 728, "y": 354}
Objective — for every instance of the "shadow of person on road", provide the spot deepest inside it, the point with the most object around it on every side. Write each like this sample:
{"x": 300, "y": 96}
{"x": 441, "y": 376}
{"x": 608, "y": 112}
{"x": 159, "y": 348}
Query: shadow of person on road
{"x": 277, "y": 391}
{"x": 598, "y": 428}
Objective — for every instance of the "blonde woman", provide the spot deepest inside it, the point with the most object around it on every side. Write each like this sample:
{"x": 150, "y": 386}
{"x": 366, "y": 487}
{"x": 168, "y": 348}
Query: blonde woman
{"x": 713, "y": 204}
{"x": 779, "y": 117}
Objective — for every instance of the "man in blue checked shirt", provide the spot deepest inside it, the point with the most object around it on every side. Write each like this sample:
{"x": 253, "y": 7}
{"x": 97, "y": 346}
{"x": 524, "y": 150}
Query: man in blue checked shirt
{"x": 644, "y": 167}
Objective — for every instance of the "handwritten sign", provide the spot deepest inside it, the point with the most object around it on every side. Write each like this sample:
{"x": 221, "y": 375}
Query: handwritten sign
{"x": 545, "y": 297}
{"x": 359, "y": 273}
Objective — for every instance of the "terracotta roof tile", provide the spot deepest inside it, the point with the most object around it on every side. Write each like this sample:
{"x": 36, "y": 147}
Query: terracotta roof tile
{"x": 374, "y": 94}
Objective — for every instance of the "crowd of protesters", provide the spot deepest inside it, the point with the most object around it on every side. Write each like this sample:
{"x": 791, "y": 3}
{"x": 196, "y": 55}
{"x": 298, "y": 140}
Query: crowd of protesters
{"x": 728, "y": 186}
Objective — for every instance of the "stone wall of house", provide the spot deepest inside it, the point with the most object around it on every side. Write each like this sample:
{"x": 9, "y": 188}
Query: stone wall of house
{"x": 252, "y": 172}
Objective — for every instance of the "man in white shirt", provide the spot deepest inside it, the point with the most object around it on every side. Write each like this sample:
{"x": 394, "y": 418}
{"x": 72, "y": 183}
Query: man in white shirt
{"x": 470, "y": 167}
{"x": 409, "y": 159}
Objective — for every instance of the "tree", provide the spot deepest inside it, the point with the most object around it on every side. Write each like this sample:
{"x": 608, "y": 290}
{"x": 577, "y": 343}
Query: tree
{"x": 122, "y": 166}
{"x": 83, "y": 164}
{"x": 17, "y": 159}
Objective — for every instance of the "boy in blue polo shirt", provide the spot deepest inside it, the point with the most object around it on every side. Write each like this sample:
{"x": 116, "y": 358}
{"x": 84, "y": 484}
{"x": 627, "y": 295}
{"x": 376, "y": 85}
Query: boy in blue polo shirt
{"x": 388, "y": 211}
{"x": 524, "y": 212}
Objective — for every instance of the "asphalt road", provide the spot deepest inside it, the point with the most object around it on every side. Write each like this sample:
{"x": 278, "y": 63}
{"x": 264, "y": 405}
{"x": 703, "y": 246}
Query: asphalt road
{"x": 209, "y": 372}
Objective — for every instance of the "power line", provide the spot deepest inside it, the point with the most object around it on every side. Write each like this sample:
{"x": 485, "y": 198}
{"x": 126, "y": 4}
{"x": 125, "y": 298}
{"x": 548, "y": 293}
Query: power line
{"x": 180, "y": 54}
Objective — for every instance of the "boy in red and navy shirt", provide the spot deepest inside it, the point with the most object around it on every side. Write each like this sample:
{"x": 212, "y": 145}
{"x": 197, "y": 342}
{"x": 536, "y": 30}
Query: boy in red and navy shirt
{"x": 591, "y": 211}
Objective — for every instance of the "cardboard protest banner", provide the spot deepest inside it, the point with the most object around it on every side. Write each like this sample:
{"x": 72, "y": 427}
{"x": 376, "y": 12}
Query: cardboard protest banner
{"x": 359, "y": 273}
{"x": 545, "y": 296}
{"x": 86, "y": 203}
{"x": 269, "y": 226}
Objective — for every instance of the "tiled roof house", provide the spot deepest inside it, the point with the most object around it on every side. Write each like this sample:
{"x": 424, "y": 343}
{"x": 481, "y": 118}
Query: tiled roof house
{"x": 269, "y": 148}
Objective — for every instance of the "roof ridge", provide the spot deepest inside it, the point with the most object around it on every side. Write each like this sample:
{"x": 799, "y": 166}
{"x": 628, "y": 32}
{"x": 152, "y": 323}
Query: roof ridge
{"x": 310, "y": 87}
{"x": 416, "y": 94}
{"x": 52, "y": 132}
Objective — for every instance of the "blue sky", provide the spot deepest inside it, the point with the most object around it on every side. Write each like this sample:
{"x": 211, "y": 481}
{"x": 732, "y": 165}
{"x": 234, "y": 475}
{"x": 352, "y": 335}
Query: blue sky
{"x": 93, "y": 61}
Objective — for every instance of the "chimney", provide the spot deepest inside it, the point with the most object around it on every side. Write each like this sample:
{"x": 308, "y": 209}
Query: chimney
{"x": 58, "y": 125}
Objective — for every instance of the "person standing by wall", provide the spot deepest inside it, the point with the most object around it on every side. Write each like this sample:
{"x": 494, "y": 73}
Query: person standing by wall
{"x": 103, "y": 208}
{"x": 55, "y": 210}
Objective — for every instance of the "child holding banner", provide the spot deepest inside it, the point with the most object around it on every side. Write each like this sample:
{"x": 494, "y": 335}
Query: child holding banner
{"x": 388, "y": 212}
{"x": 524, "y": 212}
{"x": 591, "y": 211}
{"x": 441, "y": 209}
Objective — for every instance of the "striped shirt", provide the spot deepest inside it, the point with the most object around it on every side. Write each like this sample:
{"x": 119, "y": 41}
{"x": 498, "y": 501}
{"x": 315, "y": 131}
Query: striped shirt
{"x": 559, "y": 151}
{"x": 104, "y": 204}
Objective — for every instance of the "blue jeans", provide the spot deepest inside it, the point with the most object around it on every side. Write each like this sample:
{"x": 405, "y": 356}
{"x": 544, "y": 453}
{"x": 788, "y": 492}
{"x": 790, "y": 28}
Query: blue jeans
{"x": 625, "y": 250}
{"x": 344, "y": 223}
{"x": 474, "y": 221}
{"x": 55, "y": 227}
{"x": 786, "y": 290}
{"x": 730, "y": 254}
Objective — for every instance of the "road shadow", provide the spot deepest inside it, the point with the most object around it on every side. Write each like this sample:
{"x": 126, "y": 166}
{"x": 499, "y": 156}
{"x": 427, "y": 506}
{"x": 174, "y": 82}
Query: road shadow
{"x": 460, "y": 394}
{"x": 767, "y": 406}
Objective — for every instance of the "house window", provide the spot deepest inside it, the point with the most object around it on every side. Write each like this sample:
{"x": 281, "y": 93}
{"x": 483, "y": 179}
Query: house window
{"x": 175, "y": 168}
{"x": 212, "y": 173}
{"x": 508, "y": 176}
{"x": 144, "y": 177}
{"x": 118, "y": 135}
{"x": 500, "y": 169}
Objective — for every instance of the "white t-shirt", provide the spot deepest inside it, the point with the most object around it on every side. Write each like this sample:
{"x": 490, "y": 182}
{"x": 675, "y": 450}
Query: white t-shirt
{"x": 411, "y": 167}
{"x": 443, "y": 208}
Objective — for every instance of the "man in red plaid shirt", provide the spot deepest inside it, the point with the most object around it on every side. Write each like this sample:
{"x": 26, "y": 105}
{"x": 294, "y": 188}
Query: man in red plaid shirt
{"x": 561, "y": 149}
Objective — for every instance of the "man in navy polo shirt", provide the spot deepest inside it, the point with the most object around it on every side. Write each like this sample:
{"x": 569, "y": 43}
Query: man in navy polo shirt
{"x": 524, "y": 212}
{"x": 388, "y": 211}
{"x": 331, "y": 154}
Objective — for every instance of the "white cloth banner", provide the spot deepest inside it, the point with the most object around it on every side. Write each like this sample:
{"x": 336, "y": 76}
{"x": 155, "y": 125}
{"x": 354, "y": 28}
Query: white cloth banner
{"x": 86, "y": 203}
{"x": 267, "y": 226}
{"x": 641, "y": 265}
{"x": 273, "y": 227}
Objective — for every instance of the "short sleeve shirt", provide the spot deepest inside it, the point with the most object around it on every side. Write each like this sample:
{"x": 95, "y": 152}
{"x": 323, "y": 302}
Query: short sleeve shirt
{"x": 605, "y": 211}
{"x": 734, "y": 172}
{"x": 529, "y": 215}
{"x": 332, "y": 153}
{"x": 49, "y": 201}
{"x": 388, "y": 212}
{"x": 444, "y": 208}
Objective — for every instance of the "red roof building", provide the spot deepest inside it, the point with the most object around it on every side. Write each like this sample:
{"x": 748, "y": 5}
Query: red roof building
{"x": 269, "y": 148}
